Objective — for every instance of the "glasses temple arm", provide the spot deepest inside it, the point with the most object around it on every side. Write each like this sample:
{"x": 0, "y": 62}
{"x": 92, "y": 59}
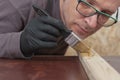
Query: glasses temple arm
{"x": 117, "y": 13}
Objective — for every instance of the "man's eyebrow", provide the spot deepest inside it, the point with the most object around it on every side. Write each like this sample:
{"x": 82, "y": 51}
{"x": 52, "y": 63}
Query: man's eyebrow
{"x": 94, "y": 2}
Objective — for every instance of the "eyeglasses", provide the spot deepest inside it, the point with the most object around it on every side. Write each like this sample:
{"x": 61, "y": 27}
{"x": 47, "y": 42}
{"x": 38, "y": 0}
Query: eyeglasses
{"x": 86, "y": 9}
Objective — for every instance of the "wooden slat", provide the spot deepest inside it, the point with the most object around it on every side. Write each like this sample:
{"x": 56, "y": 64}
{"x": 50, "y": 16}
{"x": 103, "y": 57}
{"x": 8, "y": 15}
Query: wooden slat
{"x": 95, "y": 66}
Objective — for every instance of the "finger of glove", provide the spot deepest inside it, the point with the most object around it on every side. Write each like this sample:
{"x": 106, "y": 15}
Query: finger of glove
{"x": 56, "y": 24}
{"x": 37, "y": 44}
{"x": 46, "y": 28}
{"x": 52, "y": 21}
{"x": 43, "y": 36}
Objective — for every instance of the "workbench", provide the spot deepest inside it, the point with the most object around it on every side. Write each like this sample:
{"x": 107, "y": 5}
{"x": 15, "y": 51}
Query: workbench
{"x": 47, "y": 68}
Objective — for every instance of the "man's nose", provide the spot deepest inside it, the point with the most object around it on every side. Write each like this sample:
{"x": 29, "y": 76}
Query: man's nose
{"x": 91, "y": 21}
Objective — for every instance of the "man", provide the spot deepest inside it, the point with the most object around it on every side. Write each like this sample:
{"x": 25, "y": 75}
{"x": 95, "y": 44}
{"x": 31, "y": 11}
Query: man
{"x": 24, "y": 33}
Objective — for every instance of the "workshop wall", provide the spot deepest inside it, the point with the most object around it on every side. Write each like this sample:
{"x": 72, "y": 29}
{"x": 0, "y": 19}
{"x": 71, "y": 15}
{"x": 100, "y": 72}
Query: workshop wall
{"x": 106, "y": 41}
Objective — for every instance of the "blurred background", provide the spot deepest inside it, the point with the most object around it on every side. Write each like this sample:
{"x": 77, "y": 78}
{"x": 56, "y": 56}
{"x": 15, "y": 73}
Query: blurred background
{"x": 106, "y": 41}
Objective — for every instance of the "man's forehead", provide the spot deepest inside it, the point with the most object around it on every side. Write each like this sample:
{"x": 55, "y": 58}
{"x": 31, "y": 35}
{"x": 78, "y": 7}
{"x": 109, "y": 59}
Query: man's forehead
{"x": 109, "y": 1}
{"x": 110, "y": 5}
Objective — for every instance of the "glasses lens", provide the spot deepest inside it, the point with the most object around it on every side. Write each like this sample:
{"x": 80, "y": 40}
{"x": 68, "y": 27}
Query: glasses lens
{"x": 105, "y": 20}
{"x": 85, "y": 9}
{"x": 109, "y": 22}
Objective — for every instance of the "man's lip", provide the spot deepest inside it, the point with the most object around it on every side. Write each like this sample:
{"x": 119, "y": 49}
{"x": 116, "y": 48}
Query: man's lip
{"x": 82, "y": 30}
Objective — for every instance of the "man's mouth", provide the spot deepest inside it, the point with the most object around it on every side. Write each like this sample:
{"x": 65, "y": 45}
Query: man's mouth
{"x": 82, "y": 30}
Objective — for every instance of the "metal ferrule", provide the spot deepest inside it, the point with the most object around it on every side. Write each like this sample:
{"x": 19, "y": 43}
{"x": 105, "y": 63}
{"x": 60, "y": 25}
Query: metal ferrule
{"x": 72, "y": 39}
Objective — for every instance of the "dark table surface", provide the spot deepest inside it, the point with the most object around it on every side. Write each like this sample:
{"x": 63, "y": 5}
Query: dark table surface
{"x": 42, "y": 68}
{"x": 47, "y": 68}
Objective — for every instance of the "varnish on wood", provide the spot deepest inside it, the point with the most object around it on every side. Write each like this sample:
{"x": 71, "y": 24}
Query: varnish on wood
{"x": 95, "y": 66}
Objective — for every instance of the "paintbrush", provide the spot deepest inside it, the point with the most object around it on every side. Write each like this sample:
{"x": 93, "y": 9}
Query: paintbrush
{"x": 95, "y": 66}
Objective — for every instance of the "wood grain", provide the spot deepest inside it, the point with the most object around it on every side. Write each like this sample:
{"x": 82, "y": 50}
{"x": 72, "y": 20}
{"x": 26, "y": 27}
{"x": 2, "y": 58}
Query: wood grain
{"x": 97, "y": 68}
{"x": 42, "y": 68}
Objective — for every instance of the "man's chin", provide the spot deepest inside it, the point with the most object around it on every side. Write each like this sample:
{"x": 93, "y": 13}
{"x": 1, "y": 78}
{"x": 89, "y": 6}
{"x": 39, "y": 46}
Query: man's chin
{"x": 81, "y": 36}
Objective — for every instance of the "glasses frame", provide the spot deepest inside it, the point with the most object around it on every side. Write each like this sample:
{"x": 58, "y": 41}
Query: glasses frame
{"x": 98, "y": 12}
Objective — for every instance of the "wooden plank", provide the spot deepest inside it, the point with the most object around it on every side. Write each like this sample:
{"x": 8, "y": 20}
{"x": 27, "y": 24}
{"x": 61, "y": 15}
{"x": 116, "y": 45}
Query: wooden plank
{"x": 95, "y": 66}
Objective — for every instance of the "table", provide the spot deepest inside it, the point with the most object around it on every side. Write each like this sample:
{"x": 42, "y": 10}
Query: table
{"x": 47, "y": 68}
{"x": 42, "y": 68}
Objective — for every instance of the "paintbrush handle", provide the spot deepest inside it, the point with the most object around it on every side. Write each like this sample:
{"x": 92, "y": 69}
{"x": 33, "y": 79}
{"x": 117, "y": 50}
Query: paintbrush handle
{"x": 40, "y": 11}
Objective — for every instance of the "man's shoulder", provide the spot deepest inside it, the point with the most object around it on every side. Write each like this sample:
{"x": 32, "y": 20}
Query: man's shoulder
{"x": 21, "y": 3}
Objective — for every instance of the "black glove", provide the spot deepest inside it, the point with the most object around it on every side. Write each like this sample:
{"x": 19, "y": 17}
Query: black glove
{"x": 41, "y": 32}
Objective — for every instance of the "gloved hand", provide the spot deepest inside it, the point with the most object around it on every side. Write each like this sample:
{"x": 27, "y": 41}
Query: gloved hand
{"x": 41, "y": 32}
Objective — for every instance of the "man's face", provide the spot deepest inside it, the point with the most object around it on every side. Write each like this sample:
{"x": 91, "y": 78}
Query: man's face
{"x": 85, "y": 26}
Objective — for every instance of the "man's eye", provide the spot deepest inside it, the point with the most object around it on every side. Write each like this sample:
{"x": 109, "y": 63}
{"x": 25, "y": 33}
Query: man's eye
{"x": 107, "y": 12}
{"x": 84, "y": 5}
